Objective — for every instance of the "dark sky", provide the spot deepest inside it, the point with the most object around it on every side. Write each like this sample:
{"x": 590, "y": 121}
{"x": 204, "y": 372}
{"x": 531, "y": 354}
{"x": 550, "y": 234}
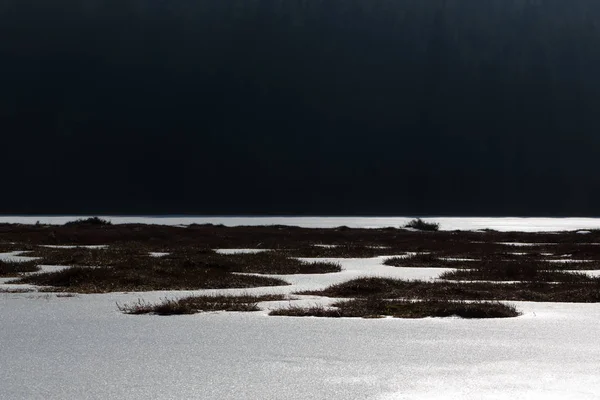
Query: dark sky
{"x": 455, "y": 107}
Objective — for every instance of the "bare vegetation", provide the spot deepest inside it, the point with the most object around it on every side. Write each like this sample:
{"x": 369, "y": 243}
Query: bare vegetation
{"x": 517, "y": 271}
{"x": 92, "y": 221}
{"x": 270, "y": 262}
{"x": 196, "y": 304}
{"x": 14, "y": 268}
{"x": 421, "y": 225}
{"x": 81, "y": 256}
{"x": 374, "y": 307}
{"x": 580, "y": 292}
{"x": 125, "y": 265}
{"x": 425, "y": 260}
{"x": 145, "y": 275}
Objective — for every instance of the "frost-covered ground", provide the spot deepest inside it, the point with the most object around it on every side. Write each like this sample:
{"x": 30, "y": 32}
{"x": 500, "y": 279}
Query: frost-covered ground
{"x": 82, "y": 347}
{"x": 446, "y": 223}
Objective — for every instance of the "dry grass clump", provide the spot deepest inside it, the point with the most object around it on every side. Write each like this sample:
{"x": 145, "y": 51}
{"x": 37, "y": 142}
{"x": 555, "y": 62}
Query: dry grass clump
{"x": 490, "y": 265}
{"x": 421, "y": 225}
{"x": 517, "y": 271}
{"x": 576, "y": 292}
{"x": 575, "y": 250}
{"x": 82, "y": 256}
{"x": 92, "y": 221}
{"x": 16, "y": 290}
{"x": 377, "y": 307}
{"x": 342, "y": 250}
{"x": 147, "y": 274}
{"x": 196, "y": 304}
{"x": 268, "y": 262}
{"x": 7, "y": 247}
{"x": 425, "y": 260}
{"x": 119, "y": 270}
{"x": 14, "y": 268}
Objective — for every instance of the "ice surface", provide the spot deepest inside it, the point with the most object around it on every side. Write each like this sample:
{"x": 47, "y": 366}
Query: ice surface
{"x": 82, "y": 347}
{"x": 446, "y": 223}
{"x": 525, "y": 244}
{"x": 157, "y": 254}
{"x": 16, "y": 256}
{"x": 240, "y": 251}
{"x": 94, "y": 246}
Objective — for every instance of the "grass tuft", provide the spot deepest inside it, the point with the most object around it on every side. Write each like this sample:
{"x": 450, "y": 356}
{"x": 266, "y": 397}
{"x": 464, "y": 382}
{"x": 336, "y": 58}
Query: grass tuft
{"x": 92, "y": 221}
{"x": 387, "y": 288}
{"x": 424, "y": 260}
{"x": 377, "y": 307}
{"x": 145, "y": 275}
{"x": 196, "y": 304}
{"x": 516, "y": 271}
{"x": 421, "y": 225}
{"x": 14, "y": 268}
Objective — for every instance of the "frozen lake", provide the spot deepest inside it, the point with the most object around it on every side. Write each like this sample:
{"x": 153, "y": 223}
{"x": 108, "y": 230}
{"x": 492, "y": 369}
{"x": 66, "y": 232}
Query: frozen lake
{"x": 82, "y": 347}
{"x": 446, "y": 223}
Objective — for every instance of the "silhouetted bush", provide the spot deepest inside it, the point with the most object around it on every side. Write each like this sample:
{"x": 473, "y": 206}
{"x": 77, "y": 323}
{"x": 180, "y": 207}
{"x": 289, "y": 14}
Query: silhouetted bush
{"x": 89, "y": 221}
{"x": 377, "y": 307}
{"x": 421, "y": 225}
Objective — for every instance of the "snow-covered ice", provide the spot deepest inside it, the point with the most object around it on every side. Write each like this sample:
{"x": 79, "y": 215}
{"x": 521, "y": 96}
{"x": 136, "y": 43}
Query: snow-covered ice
{"x": 93, "y": 246}
{"x": 82, "y": 347}
{"x": 446, "y": 223}
{"x": 525, "y": 244}
{"x": 240, "y": 251}
{"x": 158, "y": 254}
{"x": 16, "y": 256}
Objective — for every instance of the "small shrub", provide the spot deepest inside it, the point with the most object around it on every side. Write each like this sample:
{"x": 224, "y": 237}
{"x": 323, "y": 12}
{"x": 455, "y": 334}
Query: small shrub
{"x": 421, "y": 225}
{"x": 516, "y": 271}
{"x": 92, "y": 221}
{"x": 424, "y": 260}
{"x": 144, "y": 275}
{"x": 196, "y": 304}
{"x": 14, "y": 268}
{"x": 388, "y": 288}
{"x": 377, "y": 307}
{"x": 314, "y": 311}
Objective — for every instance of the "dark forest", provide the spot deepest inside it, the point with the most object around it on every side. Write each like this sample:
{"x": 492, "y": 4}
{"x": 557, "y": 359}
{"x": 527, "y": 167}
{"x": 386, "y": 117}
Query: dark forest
{"x": 437, "y": 107}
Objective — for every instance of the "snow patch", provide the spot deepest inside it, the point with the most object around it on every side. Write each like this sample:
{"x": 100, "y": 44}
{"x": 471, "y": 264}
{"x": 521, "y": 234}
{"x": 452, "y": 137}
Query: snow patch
{"x": 240, "y": 251}
{"x": 68, "y": 246}
{"x": 158, "y": 254}
{"x": 505, "y": 224}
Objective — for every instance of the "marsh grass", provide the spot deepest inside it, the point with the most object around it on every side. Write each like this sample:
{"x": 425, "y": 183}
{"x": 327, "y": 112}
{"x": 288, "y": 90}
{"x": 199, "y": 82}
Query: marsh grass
{"x": 81, "y": 256}
{"x": 425, "y": 260}
{"x": 502, "y": 266}
{"x": 421, "y": 225}
{"x": 517, "y": 271}
{"x": 196, "y": 304}
{"x": 386, "y": 288}
{"x": 126, "y": 265}
{"x": 6, "y": 247}
{"x": 118, "y": 270}
{"x": 347, "y": 250}
{"x": 92, "y": 221}
{"x": 14, "y": 268}
{"x": 145, "y": 275}
{"x": 377, "y": 307}
{"x": 16, "y": 290}
{"x": 268, "y": 262}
